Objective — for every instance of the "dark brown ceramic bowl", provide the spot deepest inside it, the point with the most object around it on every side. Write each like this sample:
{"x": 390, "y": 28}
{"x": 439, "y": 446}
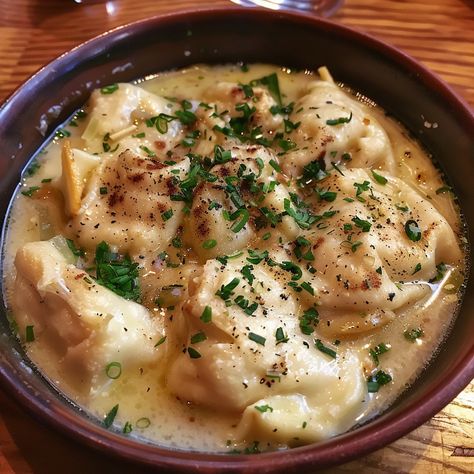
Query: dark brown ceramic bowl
{"x": 399, "y": 84}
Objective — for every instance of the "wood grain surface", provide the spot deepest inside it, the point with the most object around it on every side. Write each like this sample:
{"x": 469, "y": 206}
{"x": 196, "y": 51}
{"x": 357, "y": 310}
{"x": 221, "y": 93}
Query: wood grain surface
{"x": 439, "y": 33}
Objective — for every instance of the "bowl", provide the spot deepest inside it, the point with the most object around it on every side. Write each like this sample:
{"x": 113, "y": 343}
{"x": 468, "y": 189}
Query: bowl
{"x": 403, "y": 87}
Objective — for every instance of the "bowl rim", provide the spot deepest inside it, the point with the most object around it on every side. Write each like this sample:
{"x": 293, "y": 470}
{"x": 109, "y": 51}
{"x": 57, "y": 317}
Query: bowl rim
{"x": 334, "y": 451}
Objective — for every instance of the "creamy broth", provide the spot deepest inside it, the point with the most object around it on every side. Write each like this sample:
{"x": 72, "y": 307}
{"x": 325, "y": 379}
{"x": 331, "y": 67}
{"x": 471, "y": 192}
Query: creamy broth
{"x": 287, "y": 287}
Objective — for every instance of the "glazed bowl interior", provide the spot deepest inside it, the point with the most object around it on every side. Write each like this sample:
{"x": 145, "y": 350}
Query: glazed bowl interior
{"x": 401, "y": 86}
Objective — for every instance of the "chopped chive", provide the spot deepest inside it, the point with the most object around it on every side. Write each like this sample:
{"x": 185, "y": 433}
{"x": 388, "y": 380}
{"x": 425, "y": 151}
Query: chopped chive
{"x": 417, "y": 268}
{"x": 256, "y": 338}
{"x": 226, "y": 291}
{"x": 103, "y": 190}
{"x": 30, "y": 191}
{"x": 374, "y": 382}
{"x": 209, "y": 244}
{"x": 193, "y": 353}
{"x": 326, "y": 350}
{"x": 413, "y": 334}
{"x": 266, "y": 236}
{"x": 29, "y": 333}
{"x": 306, "y": 286}
{"x": 186, "y": 117}
{"x": 46, "y": 180}
{"x": 206, "y": 316}
{"x": 264, "y": 408}
{"x": 339, "y": 121}
{"x": 380, "y": 179}
{"x": 109, "y": 89}
{"x": 167, "y": 215}
{"x": 161, "y": 341}
{"x": 75, "y": 251}
{"x": 380, "y": 349}
{"x": 150, "y": 153}
{"x": 275, "y": 166}
{"x": 247, "y": 273}
{"x": 292, "y": 268}
{"x": 240, "y": 224}
{"x": 413, "y": 231}
{"x": 143, "y": 423}
{"x": 198, "y": 337}
{"x": 127, "y": 428}
{"x": 110, "y": 417}
{"x": 280, "y": 336}
{"x": 113, "y": 370}
{"x": 444, "y": 189}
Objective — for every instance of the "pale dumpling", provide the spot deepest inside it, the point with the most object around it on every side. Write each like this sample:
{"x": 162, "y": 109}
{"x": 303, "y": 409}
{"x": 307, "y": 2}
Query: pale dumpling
{"x": 85, "y": 325}
{"x": 119, "y": 119}
{"x": 364, "y": 259}
{"x": 335, "y": 128}
{"x": 252, "y": 352}
{"x": 129, "y": 205}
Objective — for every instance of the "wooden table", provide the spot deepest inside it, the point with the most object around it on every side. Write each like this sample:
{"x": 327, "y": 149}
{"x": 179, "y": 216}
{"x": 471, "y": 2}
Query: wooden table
{"x": 439, "y": 33}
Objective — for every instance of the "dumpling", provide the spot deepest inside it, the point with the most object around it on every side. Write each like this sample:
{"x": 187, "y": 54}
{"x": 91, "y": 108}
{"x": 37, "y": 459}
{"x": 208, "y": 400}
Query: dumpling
{"x": 377, "y": 243}
{"x": 122, "y": 119}
{"x": 85, "y": 325}
{"x": 128, "y": 205}
{"x": 336, "y": 128}
{"x": 246, "y": 181}
{"x": 243, "y": 348}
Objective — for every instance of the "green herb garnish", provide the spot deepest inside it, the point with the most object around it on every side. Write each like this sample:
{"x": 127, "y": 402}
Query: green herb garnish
{"x": 326, "y": 350}
{"x": 110, "y": 417}
{"x": 256, "y": 338}
{"x": 113, "y": 370}
{"x": 109, "y": 89}
{"x": 413, "y": 231}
